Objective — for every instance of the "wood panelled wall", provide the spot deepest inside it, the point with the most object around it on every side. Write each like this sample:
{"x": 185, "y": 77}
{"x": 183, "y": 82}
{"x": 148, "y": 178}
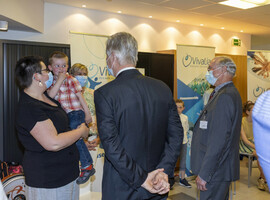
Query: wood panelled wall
{"x": 240, "y": 80}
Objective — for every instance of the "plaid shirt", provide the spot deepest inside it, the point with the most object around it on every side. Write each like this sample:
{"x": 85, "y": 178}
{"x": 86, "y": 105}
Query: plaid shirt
{"x": 67, "y": 94}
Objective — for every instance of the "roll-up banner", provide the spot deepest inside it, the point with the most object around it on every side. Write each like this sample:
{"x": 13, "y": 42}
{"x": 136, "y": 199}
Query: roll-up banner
{"x": 258, "y": 73}
{"x": 90, "y": 50}
{"x": 192, "y": 64}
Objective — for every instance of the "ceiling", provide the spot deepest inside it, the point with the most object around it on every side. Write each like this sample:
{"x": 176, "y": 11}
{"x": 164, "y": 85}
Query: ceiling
{"x": 254, "y": 21}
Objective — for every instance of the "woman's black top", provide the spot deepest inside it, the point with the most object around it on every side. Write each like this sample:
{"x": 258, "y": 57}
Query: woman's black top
{"x": 42, "y": 168}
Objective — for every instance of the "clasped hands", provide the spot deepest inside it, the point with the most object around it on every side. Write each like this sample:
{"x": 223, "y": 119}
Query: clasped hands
{"x": 157, "y": 182}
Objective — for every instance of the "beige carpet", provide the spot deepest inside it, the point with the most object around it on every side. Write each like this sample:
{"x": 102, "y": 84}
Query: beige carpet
{"x": 181, "y": 196}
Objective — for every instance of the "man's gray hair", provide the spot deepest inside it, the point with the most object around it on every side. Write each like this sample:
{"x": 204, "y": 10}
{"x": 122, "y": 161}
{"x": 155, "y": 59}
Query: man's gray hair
{"x": 228, "y": 62}
{"x": 124, "y": 46}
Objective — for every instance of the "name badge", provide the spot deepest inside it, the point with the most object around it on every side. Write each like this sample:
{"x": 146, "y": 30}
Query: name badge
{"x": 203, "y": 124}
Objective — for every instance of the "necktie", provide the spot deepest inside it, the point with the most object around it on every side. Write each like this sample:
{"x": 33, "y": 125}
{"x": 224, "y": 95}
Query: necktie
{"x": 212, "y": 94}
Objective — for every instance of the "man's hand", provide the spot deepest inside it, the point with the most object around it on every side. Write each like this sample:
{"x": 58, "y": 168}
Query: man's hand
{"x": 201, "y": 184}
{"x": 157, "y": 182}
{"x": 148, "y": 183}
{"x": 161, "y": 183}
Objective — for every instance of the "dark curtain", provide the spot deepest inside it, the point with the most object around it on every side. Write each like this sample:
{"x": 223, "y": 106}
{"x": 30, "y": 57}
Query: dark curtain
{"x": 158, "y": 66}
{"x": 10, "y": 149}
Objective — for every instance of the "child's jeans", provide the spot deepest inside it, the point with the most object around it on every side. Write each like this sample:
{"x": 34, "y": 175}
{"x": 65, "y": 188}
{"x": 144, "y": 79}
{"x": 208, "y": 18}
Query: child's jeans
{"x": 76, "y": 118}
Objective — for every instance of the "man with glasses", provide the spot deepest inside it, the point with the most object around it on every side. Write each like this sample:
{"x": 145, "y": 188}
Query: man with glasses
{"x": 215, "y": 142}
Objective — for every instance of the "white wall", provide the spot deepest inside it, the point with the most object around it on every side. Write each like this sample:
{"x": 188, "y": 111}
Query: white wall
{"x": 260, "y": 42}
{"x": 27, "y": 12}
{"x": 152, "y": 35}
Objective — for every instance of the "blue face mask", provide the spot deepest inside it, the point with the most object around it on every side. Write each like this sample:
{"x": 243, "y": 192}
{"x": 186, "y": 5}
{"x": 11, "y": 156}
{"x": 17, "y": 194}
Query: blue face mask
{"x": 109, "y": 69}
{"x": 82, "y": 80}
{"x": 50, "y": 80}
{"x": 210, "y": 77}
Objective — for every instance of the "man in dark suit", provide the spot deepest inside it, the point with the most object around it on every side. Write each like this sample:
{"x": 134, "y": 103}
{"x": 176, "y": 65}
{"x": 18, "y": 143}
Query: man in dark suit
{"x": 215, "y": 141}
{"x": 138, "y": 125}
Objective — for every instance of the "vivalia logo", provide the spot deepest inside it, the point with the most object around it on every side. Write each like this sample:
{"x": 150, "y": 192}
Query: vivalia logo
{"x": 188, "y": 60}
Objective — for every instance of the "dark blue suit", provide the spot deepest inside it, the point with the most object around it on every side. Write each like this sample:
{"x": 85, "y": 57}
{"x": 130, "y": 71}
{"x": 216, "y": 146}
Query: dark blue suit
{"x": 140, "y": 131}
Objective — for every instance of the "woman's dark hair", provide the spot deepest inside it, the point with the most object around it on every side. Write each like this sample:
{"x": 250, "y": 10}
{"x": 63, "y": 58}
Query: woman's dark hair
{"x": 247, "y": 106}
{"x": 25, "y": 69}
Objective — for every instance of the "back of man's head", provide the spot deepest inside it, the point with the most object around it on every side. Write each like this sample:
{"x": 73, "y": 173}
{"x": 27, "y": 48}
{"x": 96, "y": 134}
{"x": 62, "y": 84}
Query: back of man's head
{"x": 125, "y": 48}
{"x": 228, "y": 62}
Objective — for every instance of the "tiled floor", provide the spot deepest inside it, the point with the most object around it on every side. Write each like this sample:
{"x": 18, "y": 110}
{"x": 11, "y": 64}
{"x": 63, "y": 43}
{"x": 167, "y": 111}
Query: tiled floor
{"x": 242, "y": 190}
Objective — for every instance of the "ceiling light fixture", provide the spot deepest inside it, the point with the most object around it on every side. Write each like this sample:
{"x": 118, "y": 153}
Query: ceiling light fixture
{"x": 119, "y": 11}
{"x": 84, "y": 6}
{"x": 201, "y": 25}
{"x": 241, "y": 31}
{"x": 222, "y": 28}
{"x": 3, "y": 25}
{"x": 177, "y": 20}
{"x": 245, "y": 4}
{"x": 150, "y": 16}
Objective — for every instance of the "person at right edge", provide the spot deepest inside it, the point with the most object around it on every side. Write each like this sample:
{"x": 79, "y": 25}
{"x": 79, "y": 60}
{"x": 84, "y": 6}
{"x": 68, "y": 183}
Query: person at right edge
{"x": 216, "y": 134}
{"x": 138, "y": 125}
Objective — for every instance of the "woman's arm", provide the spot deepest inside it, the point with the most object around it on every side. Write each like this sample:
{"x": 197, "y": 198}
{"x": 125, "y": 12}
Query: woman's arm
{"x": 245, "y": 140}
{"x": 46, "y": 134}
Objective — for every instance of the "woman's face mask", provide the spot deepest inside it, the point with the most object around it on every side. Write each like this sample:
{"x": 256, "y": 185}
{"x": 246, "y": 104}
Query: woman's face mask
{"x": 82, "y": 80}
{"x": 50, "y": 80}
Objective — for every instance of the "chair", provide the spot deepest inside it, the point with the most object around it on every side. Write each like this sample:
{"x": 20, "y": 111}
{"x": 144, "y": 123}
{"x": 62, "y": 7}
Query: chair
{"x": 250, "y": 159}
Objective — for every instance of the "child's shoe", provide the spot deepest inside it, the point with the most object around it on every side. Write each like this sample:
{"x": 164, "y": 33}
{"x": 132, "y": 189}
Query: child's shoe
{"x": 85, "y": 174}
{"x": 184, "y": 182}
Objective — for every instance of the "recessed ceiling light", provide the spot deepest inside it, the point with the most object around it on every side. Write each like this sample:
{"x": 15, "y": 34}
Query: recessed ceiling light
{"x": 244, "y": 4}
{"x": 222, "y": 28}
{"x": 241, "y": 31}
{"x": 177, "y": 20}
{"x": 150, "y": 16}
{"x": 201, "y": 24}
{"x": 119, "y": 11}
{"x": 84, "y": 6}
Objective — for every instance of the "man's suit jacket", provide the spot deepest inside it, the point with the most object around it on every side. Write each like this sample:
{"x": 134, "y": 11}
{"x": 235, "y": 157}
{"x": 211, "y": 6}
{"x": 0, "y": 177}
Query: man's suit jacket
{"x": 215, "y": 148}
{"x": 140, "y": 131}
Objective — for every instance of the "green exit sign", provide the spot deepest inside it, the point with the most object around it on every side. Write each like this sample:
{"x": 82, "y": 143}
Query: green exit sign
{"x": 236, "y": 42}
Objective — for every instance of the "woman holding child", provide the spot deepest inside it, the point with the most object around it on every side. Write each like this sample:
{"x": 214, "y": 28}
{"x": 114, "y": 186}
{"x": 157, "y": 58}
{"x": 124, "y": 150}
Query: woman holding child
{"x": 51, "y": 158}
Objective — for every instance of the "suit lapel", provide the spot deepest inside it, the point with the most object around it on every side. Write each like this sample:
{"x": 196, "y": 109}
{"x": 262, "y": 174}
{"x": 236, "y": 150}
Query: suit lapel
{"x": 209, "y": 102}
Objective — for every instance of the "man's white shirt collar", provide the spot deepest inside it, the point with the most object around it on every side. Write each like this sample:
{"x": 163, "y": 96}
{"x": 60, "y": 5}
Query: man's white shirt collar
{"x": 126, "y": 68}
